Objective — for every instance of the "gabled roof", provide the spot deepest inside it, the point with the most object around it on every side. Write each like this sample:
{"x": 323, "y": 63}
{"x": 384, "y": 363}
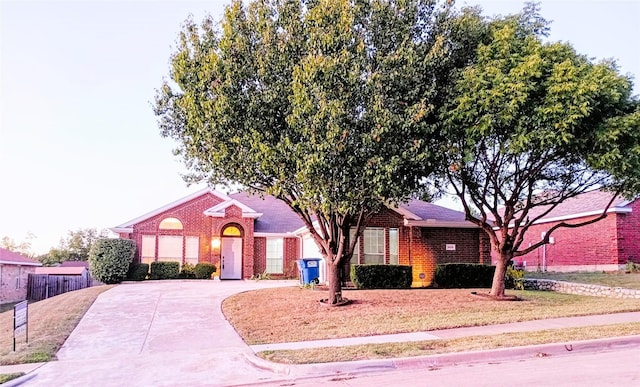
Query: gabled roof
{"x": 8, "y": 257}
{"x": 586, "y": 204}
{"x": 217, "y": 211}
{"x": 128, "y": 226}
{"x": 424, "y": 214}
{"x": 277, "y": 216}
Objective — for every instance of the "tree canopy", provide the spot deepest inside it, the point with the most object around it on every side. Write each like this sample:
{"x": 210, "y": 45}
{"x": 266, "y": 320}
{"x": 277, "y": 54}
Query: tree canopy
{"x": 530, "y": 124}
{"x": 329, "y": 105}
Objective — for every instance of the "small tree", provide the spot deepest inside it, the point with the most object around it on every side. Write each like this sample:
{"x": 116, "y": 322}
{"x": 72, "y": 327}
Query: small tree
{"x": 109, "y": 259}
{"x": 327, "y": 105}
{"x": 530, "y": 125}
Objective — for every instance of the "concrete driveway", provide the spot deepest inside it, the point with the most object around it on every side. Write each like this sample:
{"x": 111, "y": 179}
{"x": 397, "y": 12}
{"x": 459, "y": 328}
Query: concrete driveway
{"x": 157, "y": 333}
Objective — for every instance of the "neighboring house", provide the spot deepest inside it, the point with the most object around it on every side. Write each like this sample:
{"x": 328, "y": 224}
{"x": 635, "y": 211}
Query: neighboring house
{"x": 605, "y": 245}
{"x": 14, "y": 274}
{"x": 244, "y": 235}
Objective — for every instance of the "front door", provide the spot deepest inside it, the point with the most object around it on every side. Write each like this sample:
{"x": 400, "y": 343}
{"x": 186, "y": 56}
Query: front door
{"x": 231, "y": 251}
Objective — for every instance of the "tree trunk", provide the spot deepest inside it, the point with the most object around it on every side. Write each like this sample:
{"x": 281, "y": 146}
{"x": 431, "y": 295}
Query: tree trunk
{"x": 333, "y": 279}
{"x": 497, "y": 286}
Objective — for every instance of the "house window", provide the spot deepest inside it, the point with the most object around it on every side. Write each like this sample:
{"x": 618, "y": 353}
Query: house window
{"x": 355, "y": 258}
{"x": 192, "y": 246}
{"x": 373, "y": 245}
{"x": 393, "y": 246}
{"x": 274, "y": 255}
{"x": 148, "y": 250}
{"x": 18, "y": 278}
{"x": 170, "y": 224}
{"x": 170, "y": 248}
{"x": 231, "y": 231}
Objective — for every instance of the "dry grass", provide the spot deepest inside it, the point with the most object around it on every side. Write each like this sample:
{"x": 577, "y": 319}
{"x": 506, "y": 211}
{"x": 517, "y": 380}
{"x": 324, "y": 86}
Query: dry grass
{"x": 433, "y": 347}
{"x": 613, "y": 279}
{"x": 294, "y": 314}
{"x": 51, "y": 321}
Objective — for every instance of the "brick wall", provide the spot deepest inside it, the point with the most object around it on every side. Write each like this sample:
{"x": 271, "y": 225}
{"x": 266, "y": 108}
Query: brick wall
{"x": 591, "y": 247}
{"x": 13, "y": 282}
{"x": 629, "y": 235}
{"x": 290, "y": 251}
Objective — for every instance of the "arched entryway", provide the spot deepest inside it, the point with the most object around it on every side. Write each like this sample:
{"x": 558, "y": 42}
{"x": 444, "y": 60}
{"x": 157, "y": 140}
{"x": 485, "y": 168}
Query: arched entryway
{"x": 231, "y": 252}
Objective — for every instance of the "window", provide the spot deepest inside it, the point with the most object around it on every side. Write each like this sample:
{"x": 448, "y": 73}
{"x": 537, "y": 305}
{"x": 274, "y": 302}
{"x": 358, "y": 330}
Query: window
{"x": 170, "y": 224}
{"x": 148, "y": 251}
{"x": 192, "y": 246}
{"x": 356, "y": 250}
{"x": 373, "y": 246}
{"x": 393, "y": 246}
{"x": 231, "y": 231}
{"x": 274, "y": 255}
{"x": 170, "y": 248}
{"x": 18, "y": 278}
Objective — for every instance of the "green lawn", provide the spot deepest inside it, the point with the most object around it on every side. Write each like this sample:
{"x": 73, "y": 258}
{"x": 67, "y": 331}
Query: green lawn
{"x": 614, "y": 279}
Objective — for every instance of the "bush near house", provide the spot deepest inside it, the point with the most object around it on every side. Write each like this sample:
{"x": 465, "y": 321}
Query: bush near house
{"x": 109, "y": 259}
{"x": 164, "y": 270}
{"x": 187, "y": 271}
{"x": 138, "y": 272}
{"x": 381, "y": 276}
{"x": 204, "y": 270}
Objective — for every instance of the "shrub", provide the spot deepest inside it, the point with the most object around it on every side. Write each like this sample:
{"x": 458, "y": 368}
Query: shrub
{"x": 381, "y": 276}
{"x": 164, "y": 270}
{"x": 203, "y": 270}
{"x": 187, "y": 271}
{"x": 109, "y": 259}
{"x": 464, "y": 275}
{"x": 138, "y": 272}
{"x": 514, "y": 278}
{"x": 632, "y": 267}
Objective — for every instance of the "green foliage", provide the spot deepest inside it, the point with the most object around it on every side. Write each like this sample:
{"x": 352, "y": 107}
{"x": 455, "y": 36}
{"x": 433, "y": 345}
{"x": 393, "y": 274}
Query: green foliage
{"x": 22, "y": 247}
{"x": 261, "y": 276}
{"x": 632, "y": 267}
{"x": 204, "y": 270}
{"x": 187, "y": 271}
{"x": 381, "y": 276}
{"x": 164, "y": 270}
{"x": 514, "y": 278}
{"x": 463, "y": 275}
{"x": 109, "y": 259}
{"x": 75, "y": 247}
{"x": 7, "y": 377}
{"x": 531, "y": 123}
{"x": 138, "y": 272}
{"x": 328, "y": 105}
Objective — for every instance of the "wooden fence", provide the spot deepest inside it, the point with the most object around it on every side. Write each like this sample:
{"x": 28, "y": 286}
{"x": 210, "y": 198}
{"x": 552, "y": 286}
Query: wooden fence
{"x": 42, "y": 286}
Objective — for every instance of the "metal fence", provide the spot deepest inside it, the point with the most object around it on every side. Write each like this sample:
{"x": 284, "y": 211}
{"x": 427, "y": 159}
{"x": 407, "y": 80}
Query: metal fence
{"x": 43, "y": 286}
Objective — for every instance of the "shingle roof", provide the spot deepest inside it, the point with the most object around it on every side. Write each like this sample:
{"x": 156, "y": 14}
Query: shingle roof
{"x": 426, "y": 211}
{"x": 585, "y": 204}
{"x": 10, "y": 257}
{"x": 59, "y": 270}
{"x": 277, "y": 216}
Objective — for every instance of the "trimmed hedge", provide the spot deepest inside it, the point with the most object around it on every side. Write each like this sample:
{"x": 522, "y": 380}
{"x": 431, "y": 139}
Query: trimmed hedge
{"x": 381, "y": 276}
{"x": 464, "y": 275}
{"x": 187, "y": 271}
{"x": 109, "y": 259}
{"x": 204, "y": 270}
{"x": 138, "y": 272}
{"x": 164, "y": 270}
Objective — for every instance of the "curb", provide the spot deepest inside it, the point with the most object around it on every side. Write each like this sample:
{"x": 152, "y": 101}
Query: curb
{"x": 445, "y": 360}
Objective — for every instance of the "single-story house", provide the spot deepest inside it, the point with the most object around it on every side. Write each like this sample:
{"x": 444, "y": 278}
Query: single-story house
{"x": 14, "y": 274}
{"x": 605, "y": 245}
{"x": 245, "y": 235}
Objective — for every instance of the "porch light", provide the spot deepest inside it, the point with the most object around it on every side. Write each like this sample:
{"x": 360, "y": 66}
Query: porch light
{"x": 215, "y": 243}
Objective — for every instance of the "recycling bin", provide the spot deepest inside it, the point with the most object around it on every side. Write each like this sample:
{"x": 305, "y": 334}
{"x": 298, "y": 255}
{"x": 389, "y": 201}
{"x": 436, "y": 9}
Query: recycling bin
{"x": 309, "y": 270}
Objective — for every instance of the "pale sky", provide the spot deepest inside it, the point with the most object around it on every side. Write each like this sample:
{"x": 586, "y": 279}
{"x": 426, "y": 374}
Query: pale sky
{"x": 79, "y": 143}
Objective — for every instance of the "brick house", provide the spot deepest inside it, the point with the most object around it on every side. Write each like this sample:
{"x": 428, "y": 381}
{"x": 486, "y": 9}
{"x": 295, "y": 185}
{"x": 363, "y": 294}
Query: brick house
{"x": 244, "y": 235}
{"x": 606, "y": 245}
{"x": 14, "y": 274}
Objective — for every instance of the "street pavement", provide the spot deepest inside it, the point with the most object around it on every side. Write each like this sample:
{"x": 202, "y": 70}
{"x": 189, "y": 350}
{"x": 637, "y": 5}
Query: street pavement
{"x": 170, "y": 333}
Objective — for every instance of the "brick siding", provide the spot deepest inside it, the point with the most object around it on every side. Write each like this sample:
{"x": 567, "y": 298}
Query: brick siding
{"x": 9, "y": 275}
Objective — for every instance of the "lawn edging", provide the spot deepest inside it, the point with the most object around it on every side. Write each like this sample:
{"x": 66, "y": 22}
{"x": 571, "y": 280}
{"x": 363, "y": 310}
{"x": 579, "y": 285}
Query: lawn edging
{"x": 579, "y": 288}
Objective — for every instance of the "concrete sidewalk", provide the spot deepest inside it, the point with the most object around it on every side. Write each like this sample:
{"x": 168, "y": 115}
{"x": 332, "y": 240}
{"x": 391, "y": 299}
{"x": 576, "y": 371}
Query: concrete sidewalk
{"x": 158, "y": 333}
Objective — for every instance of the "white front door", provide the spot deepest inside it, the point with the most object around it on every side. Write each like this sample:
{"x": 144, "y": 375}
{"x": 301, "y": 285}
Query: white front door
{"x": 231, "y": 249}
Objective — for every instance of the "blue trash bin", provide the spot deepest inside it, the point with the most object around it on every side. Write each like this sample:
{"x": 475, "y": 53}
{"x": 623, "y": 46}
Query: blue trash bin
{"x": 309, "y": 270}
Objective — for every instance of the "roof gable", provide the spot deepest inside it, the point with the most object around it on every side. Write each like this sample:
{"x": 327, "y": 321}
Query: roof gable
{"x": 218, "y": 211}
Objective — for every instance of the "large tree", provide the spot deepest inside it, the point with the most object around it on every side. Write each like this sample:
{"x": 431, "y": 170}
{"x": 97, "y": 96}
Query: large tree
{"x": 532, "y": 123}
{"x": 328, "y": 105}
{"x": 75, "y": 247}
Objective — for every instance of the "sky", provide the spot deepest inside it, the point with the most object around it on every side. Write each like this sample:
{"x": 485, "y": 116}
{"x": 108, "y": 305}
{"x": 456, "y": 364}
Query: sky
{"x": 79, "y": 143}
